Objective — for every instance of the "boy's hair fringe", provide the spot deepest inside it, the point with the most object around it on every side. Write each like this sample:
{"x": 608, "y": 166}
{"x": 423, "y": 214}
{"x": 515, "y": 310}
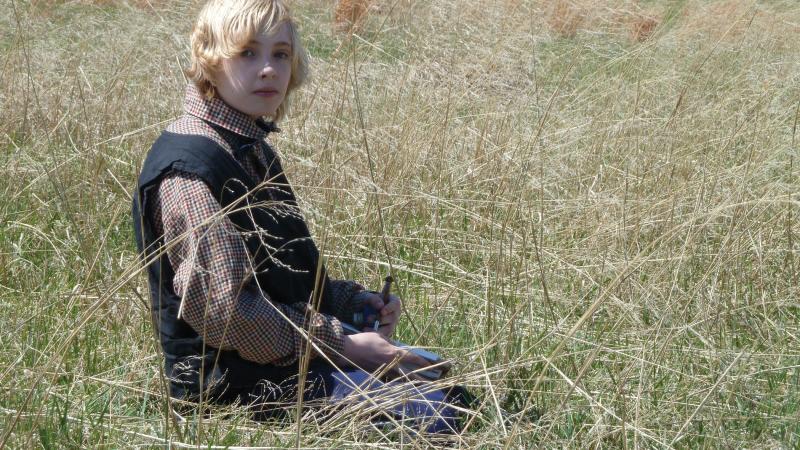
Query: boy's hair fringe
{"x": 222, "y": 30}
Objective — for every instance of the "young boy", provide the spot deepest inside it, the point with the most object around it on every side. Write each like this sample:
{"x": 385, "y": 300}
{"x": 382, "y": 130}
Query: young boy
{"x": 237, "y": 286}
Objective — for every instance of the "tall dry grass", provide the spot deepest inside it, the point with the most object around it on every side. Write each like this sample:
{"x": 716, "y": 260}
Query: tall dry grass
{"x": 599, "y": 227}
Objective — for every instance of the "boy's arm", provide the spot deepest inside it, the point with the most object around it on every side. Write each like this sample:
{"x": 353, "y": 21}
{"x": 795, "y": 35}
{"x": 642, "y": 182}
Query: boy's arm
{"x": 343, "y": 299}
{"x": 213, "y": 278}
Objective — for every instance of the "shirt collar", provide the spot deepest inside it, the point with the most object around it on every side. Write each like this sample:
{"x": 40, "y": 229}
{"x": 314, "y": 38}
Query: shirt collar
{"x": 217, "y": 112}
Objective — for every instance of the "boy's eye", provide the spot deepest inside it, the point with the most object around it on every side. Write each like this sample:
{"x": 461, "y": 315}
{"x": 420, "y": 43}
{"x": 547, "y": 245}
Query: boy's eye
{"x": 247, "y": 53}
{"x": 282, "y": 54}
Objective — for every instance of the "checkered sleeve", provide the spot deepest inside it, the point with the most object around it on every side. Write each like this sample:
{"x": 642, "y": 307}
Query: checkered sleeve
{"x": 219, "y": 299}
{"x": 342, "y": 299}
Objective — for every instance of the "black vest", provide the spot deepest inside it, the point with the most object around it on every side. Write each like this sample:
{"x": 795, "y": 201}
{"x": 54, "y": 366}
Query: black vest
{"x": 277, "y": 239}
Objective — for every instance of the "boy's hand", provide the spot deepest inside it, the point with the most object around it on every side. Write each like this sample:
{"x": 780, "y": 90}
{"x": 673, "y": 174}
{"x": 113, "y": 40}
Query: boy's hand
{"x": 389, "y": 313}
{"x": 371, "y": 350}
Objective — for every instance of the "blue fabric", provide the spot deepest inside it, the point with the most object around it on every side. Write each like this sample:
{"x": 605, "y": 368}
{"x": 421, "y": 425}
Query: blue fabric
{"x": 418, "y": 405}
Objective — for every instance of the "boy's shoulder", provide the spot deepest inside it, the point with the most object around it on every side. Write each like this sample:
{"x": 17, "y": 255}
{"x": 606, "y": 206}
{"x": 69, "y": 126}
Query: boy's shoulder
{"x": 192, "y": 146}
{"x": 190, "y": 125}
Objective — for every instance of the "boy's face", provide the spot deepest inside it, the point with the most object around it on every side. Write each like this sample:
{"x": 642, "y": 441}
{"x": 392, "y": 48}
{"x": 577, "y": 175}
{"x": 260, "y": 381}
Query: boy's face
{"x": 255, "y": 81}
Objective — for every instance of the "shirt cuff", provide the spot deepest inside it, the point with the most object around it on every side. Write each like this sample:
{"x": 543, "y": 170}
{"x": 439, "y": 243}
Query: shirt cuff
{"x": 342, "y": 297}
{"x": 326, "y": 332}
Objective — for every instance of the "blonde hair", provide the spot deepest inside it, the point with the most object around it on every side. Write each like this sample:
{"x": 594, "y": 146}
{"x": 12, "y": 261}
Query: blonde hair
{"x": 222, "y": 30}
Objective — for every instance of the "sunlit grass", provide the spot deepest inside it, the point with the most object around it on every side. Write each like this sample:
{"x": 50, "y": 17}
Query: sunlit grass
{"x": 600, "y": 228}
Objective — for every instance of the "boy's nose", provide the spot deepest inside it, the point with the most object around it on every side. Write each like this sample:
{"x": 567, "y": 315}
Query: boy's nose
{"x": 267, "y": 71}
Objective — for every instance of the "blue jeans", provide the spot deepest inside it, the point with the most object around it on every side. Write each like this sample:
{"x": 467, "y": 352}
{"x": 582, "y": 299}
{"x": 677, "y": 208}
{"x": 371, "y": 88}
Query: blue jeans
{"x": 415, "y": 404}
{"x": 418, "y": 405}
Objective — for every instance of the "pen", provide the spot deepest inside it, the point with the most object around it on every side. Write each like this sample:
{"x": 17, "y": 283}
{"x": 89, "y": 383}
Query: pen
{"x": 387, "y": 287}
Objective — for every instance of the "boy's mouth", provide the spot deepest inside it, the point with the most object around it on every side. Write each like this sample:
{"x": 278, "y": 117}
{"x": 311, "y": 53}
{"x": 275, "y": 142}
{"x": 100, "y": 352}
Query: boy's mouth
{"x": 266, "y": 92}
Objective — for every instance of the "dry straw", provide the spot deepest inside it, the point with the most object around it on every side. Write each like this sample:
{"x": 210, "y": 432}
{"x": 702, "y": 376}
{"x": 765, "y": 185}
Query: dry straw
{"x": 591, "y": 206}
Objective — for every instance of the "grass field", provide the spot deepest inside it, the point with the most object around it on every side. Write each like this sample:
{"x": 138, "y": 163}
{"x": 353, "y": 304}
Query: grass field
{"x": 591, "y": 205}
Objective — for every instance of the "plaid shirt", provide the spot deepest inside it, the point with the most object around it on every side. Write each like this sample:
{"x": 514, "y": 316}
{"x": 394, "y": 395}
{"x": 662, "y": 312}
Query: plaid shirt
{"x": 219, "y": 297}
